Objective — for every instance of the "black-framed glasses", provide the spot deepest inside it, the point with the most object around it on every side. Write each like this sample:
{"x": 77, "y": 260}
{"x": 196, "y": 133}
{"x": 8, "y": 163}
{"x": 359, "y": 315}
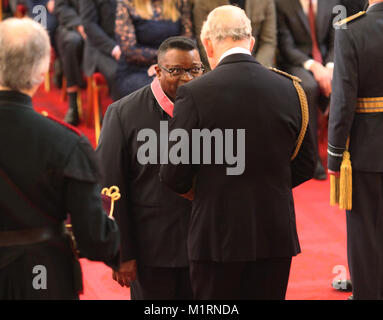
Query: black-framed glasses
{"x": 179, "y": 72}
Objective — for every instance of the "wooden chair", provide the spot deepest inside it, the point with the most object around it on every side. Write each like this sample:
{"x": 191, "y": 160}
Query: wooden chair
{"x": 1, "y": 10}
{"x": 96, "y": 83}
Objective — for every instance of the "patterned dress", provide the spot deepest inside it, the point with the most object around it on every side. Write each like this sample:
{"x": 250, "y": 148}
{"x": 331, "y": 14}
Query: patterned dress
{"x": 140, "y": 38}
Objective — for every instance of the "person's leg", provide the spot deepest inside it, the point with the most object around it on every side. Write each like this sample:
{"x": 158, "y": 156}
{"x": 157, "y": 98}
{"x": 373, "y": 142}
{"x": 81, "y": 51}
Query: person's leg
{"x": 215, "y": 280}
{"x": 154, "y": 283}
{"x": 107, "y": 65}
{"x": 265, "y": 279}
{"x": 70, "y": 45}
{"x": 183, "y": 285}
{"x": 365, "y": 236}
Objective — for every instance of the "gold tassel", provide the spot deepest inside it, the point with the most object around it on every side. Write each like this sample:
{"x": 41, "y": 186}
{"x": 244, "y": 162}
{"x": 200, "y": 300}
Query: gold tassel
{"x": 345, "y": 183}
{"x": 334, "y": 190}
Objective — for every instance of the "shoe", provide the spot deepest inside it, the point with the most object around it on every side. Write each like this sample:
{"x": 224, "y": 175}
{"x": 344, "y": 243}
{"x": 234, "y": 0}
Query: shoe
{"x": 343, "y": 285}
{"x": 72, "y": 117}
{"x": 320, "y": 172}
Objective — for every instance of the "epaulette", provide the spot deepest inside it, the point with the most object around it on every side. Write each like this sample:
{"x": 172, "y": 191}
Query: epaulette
{"x": 57, "y": 120}
{"x": 287, "y": 75}
{"x": 349, "y": 19}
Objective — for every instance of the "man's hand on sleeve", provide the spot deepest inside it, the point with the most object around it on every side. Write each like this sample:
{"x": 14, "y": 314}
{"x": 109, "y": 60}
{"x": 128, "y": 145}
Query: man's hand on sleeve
{"x": 116, "y": 52}
{"x": 126, "y": 273}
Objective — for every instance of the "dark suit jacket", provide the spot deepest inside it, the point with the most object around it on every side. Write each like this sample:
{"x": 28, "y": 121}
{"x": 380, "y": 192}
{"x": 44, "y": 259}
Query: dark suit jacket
{"x": 153, "y": 219}
{"x": 249, "y": 216}
{"x": 294, "y": 38}
{"x": 362, "y": 41}
{"x": 263, "y": 23}
{"x": 98, "y": 18}
{"x": 67, "y": 13}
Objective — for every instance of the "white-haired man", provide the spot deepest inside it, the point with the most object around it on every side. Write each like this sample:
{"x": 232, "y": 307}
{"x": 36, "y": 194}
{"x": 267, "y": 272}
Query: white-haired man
{"x": 242, "y": 233}
{"x": 47, "y": 170}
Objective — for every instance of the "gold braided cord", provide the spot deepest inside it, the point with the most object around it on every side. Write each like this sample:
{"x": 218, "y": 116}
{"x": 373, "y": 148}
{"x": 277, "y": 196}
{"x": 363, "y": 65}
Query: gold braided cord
{"x": 114, "y": 194}
{"x": 304, "y": 109}
{"x": 305, "y": 117}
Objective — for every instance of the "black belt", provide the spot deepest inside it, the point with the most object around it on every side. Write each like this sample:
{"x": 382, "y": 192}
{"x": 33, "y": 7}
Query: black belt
{"x": 30, "y": 236}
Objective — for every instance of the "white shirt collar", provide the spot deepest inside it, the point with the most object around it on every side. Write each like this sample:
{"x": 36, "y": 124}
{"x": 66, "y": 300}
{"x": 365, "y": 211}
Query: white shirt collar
{"x": 234, "y": 51}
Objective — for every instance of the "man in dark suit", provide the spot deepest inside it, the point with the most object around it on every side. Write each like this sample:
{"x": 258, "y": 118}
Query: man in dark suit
{"x": 356, "y": 114}
{"x": 70, "y": 38}
{"x": 101, "y": 51}
{"x": 153, "y": 219}
{"x": 242, "y": 233}
{"x": 47, "y": 170}
{"x": 306, "y": 50}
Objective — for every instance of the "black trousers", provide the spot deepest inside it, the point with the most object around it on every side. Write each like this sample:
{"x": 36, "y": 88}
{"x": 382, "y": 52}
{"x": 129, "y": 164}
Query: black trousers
{"x": 155, "y": 283}
{"x": 365, "y": 236}
{"x": 255, "y": 280}
{"x": 107, "y": 66}
{"x": 71, "y": 45}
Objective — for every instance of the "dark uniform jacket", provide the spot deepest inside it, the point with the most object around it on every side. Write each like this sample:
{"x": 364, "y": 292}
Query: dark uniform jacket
{"x": 358, "y": 74}
{"x": 250, "y": 216}
{"x": 152, "y": 218}
{"x": 46, "y": 172}
{"x": 98, "y": 18}
{"x": 294, "y": 37}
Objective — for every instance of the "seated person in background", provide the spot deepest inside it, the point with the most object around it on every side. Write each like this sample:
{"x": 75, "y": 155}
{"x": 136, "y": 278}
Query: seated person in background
{"x": 306, "y": 49}
{"x": 263, "y": 22}
{"x": 70, "y": 38}
{"x": 354, "y": 6}
{"x": 101, "y": 51}
{"x": 153, "y": 219}
{"x": 141, "y": 26}
{"x": 51, "y": 20}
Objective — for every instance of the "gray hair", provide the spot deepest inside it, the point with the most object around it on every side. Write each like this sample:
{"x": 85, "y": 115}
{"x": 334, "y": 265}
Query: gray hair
{"x": 227, "y": 22}
{"x": 24, "y": 53}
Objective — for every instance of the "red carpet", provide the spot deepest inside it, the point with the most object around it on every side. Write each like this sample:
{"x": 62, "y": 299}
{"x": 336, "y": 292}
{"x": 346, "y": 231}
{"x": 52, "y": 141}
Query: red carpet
{"x": 321, "y": 230}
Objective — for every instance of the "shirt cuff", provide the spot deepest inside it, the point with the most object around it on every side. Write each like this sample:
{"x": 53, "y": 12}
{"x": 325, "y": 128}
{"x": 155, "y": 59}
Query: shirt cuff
{"x": 330, "y": 65}
{"x": 307, "y": 64}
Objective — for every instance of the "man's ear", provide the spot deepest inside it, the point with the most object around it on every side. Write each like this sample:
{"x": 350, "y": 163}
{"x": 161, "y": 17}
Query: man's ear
{"x": 158, "y": 71}
{"x": 207, "y": 44}
{"x": 252, "y": 43}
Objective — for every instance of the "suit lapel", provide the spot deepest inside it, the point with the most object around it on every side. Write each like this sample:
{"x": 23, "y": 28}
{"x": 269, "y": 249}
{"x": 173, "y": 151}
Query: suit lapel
{"x": 302, "y": 16}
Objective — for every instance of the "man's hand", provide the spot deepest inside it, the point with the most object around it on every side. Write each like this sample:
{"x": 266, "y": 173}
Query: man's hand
{"x": 126, "y": 273}
{"x": 323, "y": 76}
{"x": 81, "y": 30}
{"x": 116, "y": 53}
{"x": 50, "y": 6}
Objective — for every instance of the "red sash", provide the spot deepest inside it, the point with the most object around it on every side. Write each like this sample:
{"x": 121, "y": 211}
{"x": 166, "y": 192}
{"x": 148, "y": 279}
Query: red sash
{"x": 165, "y": 103}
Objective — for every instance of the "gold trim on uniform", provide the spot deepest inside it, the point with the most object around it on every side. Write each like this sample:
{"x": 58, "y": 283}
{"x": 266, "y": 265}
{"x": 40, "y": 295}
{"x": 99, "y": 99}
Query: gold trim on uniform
{"x": 368, "y": 105}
